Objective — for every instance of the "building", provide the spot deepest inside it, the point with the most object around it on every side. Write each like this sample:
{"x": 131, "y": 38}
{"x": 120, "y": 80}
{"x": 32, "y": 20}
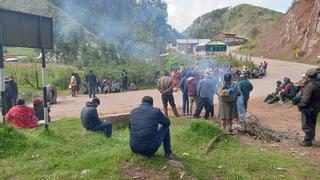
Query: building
{"x": 211, "y": 48}
{"x": 229, "y": 38}
{"x": 187, "y": 46}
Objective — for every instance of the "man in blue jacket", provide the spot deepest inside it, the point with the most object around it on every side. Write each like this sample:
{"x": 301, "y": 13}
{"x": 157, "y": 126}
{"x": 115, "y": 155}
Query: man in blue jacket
{"x": 91, "y": 80}
{"x": 184, "y": 90}
{"x": 90, "y": 119}
{"x": 145, "y": 136}
{"x": 245, "y": 88}
{"x": 205, "y": 91}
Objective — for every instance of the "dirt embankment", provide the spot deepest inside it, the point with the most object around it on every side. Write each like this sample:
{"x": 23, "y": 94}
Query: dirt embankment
{"x": 298, "y": 28}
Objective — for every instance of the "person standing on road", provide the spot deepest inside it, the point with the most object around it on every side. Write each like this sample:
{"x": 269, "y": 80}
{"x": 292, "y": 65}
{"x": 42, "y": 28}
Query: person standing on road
{"x": 91, "y": 80}
{"x": 184, "y": 90}
{"x": 165, "y": 86}
{"x": 78, "y": 79}
{"x": 73, "y": 85}
{"x": 145, "y": 136}
{"x": 310, "y": 106}
{"x": 90, "y": 119}
{"x": 191, "y": 86}
{"x": 228, "y": 93}
{"x": 205, "y": 90}
{"x": 245, "y": 88}
{"x": 124, "y": 77}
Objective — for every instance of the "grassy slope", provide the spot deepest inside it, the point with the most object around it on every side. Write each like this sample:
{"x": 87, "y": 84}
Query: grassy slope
{"x": 68, "y": 150}
{"x": 242, "y": 20}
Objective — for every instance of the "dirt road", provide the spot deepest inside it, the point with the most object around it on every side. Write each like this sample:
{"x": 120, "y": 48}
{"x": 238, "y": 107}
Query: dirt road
{"x": 124, "y": 102}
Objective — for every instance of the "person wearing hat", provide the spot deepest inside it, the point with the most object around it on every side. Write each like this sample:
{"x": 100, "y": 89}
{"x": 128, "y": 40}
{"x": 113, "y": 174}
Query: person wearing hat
{"x": 273, "y": 97}
{"x": 11, "y": 92}
{"x": 22, "y": 116}
{"x": 90, "y": 119}
{"x": 245, "y": 88}
{"x": 309, "y": 106}
{"x": 145, "y": 136}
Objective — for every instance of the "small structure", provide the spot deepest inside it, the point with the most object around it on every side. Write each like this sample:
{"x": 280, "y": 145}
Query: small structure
{"x": 211, "y": 48}
{"x": 229, "y": 38}
{"x": 186, "y": 46}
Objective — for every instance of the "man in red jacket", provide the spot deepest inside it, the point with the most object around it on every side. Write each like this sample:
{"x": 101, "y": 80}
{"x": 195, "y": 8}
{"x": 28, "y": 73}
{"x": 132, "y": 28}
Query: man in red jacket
{"x": 22, "y": 116}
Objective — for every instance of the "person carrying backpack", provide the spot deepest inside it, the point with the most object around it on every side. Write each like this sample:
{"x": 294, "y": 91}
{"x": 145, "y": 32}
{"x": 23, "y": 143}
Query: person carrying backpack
{"x": 228, "y": 93}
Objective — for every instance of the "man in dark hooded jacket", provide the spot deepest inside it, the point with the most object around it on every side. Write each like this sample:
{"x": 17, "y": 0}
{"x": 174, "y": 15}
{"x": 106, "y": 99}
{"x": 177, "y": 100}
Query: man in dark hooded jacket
{"x": 310, "y": 106}
{"x": 145, "y": 136}
{"x": 90, "y": 119}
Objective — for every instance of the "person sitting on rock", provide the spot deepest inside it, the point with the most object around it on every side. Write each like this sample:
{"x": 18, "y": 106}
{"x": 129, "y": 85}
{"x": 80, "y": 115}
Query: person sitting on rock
{"x": 145, "y": 136}
{"x": 90, "y": 119}
{"x": 22, "y": 116}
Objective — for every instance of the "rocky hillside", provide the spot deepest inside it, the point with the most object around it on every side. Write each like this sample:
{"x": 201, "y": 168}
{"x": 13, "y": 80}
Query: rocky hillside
{"x": 244, "y": 20}
{"x": 296, "y": 36}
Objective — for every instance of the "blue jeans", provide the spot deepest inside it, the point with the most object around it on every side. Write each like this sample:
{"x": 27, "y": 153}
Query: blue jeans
{"x": 163, "y": 138}
{"x": 202, "y": 102}
{"x": 185, "y": 103}
{"x": 106, "y": 127}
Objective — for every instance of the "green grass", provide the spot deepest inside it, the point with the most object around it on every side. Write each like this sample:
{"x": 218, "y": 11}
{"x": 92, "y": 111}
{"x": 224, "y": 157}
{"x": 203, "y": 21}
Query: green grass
{"x": 23, "y": 52}
{"x": 68, "y": 149}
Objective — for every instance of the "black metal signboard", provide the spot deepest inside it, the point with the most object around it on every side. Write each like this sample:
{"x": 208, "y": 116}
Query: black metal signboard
{"x": 22, "y": 30}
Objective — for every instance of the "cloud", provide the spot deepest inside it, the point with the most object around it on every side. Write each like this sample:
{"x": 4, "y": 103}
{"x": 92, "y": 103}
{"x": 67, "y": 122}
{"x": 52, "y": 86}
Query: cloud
{"x": 183, "y": 12}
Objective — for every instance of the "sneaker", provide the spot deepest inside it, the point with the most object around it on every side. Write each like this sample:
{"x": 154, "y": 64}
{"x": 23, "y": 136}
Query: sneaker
{"x": 281, "y": 102}
{"x": 305, "y": 144}
{"x": 171, "y": 156}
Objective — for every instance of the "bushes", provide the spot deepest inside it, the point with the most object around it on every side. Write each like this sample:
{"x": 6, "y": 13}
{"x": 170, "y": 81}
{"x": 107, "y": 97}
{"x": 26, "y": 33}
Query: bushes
{"x": 230, "y": 60}
{"x": 58, "y": 75}
{"x": 178, "y": 59}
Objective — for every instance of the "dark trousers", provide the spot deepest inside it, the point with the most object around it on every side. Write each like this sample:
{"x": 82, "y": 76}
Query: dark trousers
{"x": 168, "y": 98}
{"x": 285, "y": 96}
{"x": 202, "y": 102}
{"x": 124, "y": 85}
{"x": 163, "y": 138}
{"x": 106, "y": 127}
{"x": 185, "y": 103}
{"x": 309, "y": 122}
{"x": 245, "y": 104}
{"x": 211, "y": 109}
{"x": 92, "y": 91}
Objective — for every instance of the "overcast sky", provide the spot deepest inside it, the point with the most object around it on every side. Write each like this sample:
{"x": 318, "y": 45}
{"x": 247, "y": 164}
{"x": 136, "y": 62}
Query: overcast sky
{"x": 183, "y": 12}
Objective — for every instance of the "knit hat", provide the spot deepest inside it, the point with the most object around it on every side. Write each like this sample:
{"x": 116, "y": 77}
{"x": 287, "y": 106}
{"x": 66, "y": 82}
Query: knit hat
{"x": 312, "y": 73}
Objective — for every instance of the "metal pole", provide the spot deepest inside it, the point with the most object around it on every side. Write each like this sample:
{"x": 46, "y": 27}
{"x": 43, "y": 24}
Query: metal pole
{"x": 2, "y": 86}
{"x": 44, "y": 79}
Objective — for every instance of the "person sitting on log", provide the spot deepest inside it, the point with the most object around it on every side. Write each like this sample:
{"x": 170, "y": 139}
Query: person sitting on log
{"x": 22, "y": 116}
{"x": 145, "y": 136}
{"x": 90, "y": 119}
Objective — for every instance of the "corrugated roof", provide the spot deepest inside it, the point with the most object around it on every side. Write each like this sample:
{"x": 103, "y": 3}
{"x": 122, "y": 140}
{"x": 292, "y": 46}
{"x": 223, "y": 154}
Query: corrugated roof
{"x": 212, "y": 43}
{"x": 192, "y": 41}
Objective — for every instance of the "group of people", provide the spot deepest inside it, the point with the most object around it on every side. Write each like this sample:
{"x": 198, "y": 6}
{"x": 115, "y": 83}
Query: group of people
{"x": 93, "y": 85}
{"x": 306, "y": 95}
{"x": 199, "y": 90}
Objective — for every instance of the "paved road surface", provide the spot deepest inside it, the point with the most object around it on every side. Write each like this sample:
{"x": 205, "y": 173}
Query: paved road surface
{"x": 124, "y": 102}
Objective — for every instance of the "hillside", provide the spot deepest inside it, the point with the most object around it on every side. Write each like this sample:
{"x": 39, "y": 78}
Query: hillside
{"x": 245, "y": 20}
{"x": 296, "y": 32}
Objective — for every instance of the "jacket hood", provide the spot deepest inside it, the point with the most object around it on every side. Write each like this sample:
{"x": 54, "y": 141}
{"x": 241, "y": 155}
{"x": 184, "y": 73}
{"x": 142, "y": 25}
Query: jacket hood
{"x": 91, "y": 104}
{"x": 316, "y": 83}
